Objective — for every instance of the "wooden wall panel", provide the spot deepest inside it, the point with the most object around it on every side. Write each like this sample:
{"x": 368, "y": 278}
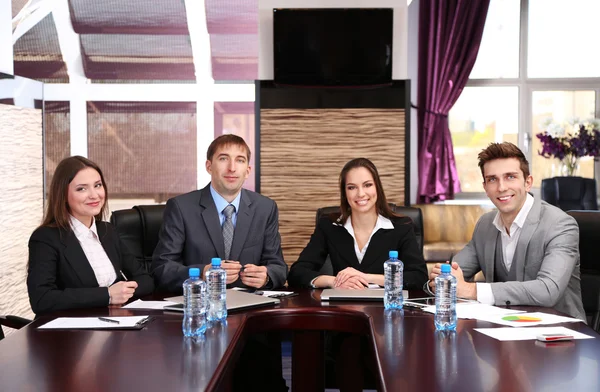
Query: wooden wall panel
{"x": 302, "y": 152}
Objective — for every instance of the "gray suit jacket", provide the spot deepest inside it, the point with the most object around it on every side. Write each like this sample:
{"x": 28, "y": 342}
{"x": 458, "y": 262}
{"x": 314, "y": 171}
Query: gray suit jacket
{"x": 547, "y": 257}
{"x": 191, "y": 235}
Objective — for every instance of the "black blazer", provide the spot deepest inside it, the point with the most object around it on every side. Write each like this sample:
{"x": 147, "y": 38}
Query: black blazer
{"x": 60, "y": 276}
{"x": 333, "y": 240}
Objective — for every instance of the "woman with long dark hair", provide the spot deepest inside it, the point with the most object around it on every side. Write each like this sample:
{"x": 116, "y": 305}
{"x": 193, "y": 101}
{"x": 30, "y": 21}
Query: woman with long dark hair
{"x": 76, "y": 260}
{"x": 359, "y": 238}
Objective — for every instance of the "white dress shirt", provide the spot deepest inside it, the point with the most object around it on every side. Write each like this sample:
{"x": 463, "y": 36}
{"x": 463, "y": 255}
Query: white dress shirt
{"x": 94, "y": 251}
{"x": 509, "y": 244}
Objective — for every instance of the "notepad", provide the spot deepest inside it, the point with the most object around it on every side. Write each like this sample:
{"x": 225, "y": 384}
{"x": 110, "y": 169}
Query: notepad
{"x": 507, "y": 333}
{"x": 125, "y": 322}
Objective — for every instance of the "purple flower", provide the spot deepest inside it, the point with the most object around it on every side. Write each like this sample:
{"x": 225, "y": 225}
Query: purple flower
{"x": 584, "y": 143}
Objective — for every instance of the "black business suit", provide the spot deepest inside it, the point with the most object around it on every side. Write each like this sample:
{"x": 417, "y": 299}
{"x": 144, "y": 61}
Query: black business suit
{"x": 60, "y": 276}
{"x": 333, "y": 240}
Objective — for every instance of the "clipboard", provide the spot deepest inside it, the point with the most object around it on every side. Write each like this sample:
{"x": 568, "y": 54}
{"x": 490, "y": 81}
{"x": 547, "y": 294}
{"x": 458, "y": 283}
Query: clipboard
{"x": 97, "y": 323}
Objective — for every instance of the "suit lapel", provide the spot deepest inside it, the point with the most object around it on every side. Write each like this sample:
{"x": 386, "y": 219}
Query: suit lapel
{"x": 78, "y": 261}
{"x": 212, "y": 221}
{"x": 381, "y": 242}
{"x": 242, "y": 225}
{"x": 489, "y": 257}
{"x": 529, "y": 227}
{"x": 109, "y": 248}
{"x": 345, "y": 246}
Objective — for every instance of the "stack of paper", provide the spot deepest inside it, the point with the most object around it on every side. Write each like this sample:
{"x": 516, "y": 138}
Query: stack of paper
{"x": 475, "y": 310}
{"x": 505, "y": 334}
{"x": 139, "y": 304}
{"x": 96, "y": 322}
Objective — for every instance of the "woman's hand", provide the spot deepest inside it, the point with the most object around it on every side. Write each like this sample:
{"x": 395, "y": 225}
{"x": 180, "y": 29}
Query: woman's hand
{"x": 348, "y": 273}
{"x": 355, "y": 282}
{"x": 121, "y": 292}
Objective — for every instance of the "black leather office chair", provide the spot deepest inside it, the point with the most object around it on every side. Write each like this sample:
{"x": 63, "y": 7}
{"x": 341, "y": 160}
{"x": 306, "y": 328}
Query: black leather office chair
{"x": 138, "y": 228}
{"x": 413, "y": 213}
{"x": 589, "y": 230}
{"x": 570, "y": 193}
{"x": 14, "y": 322}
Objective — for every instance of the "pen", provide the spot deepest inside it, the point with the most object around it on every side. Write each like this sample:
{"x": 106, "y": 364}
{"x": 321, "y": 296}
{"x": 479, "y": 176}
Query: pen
{"x": 123, "y": 275}
{"x": 107, "y": 320}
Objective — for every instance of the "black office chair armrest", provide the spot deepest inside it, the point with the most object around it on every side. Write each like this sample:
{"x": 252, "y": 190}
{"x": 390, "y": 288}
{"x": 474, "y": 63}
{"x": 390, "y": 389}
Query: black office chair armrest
{"x": 14, "y": 322}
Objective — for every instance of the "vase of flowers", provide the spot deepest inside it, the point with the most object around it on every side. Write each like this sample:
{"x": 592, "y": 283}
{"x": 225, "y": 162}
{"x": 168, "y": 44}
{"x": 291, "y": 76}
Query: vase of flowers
{"x": 568, "y": 143}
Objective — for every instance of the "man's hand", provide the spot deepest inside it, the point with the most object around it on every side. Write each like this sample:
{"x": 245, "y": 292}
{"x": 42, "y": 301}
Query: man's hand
{"x": 232, "y": 268}
{"x": 254, "y": 275}
{"x": 463, "y": 289}
{"x": 121, "y": 292}
{"x": 355, "y": 282}
{"x": 347, "y": 273}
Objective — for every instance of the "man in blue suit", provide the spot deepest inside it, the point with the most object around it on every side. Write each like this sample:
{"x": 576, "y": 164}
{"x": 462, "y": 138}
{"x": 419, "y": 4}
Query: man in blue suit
{"x": 221, "y": 220}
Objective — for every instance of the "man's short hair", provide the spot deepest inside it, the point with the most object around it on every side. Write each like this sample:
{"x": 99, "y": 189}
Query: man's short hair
{"x": 226, "y": 140}
{"x": 501, "y": 151}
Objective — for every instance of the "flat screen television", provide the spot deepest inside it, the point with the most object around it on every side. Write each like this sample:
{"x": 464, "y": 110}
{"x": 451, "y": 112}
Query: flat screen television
{"x": 333, "y": 47}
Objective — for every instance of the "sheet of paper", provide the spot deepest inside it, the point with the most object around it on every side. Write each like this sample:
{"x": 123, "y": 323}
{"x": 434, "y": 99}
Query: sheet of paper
{"x": 526, "y": 319}
{"x": 92, "y": 322}
{"x": 505, "y": 334}
{"x": 266, "y": 293}
{"x": 139, "y": 304}
{"x": 475, "y": 310}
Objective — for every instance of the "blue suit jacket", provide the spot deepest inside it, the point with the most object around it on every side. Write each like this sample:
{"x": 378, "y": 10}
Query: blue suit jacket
{"x": 191, "y": 236}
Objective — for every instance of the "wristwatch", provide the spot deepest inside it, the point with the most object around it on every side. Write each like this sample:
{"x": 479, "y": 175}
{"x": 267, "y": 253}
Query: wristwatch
{"x": 267, "y": 282}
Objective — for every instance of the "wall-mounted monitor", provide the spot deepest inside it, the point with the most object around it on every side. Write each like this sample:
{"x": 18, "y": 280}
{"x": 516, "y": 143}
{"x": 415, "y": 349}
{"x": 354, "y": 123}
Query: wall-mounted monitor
{"x": 340, "y": 47}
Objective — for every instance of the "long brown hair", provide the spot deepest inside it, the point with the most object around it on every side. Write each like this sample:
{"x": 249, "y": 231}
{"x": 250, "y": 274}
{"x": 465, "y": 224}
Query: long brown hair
{"x": 382, "y": 205}
{"x": 57, "y": 209}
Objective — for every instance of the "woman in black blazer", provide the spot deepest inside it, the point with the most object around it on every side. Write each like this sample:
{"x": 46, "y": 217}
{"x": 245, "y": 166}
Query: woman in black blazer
{"x": 60, "y": 275}
{"x": 366, "y": 229}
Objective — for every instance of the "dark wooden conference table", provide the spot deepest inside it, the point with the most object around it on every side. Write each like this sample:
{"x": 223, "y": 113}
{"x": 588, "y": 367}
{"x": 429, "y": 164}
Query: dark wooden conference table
{"x": 410, "y": 355}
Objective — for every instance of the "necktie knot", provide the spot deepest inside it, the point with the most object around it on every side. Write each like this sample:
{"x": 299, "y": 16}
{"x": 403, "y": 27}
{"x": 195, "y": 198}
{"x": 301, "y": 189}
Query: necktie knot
{"x": 228, "y": 211}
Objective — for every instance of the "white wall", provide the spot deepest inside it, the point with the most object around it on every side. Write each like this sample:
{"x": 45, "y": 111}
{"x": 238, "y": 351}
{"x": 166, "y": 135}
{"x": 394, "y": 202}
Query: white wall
{"x": 265, "y": 29}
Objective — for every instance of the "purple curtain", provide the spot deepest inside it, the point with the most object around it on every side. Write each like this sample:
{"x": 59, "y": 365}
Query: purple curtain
{"x": 449, "y": 36}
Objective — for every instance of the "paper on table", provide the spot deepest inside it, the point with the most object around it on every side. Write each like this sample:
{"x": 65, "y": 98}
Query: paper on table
{"x": 139, "y": 304}
{"x": 505, "y": 334}
{"x": 527, "y": 319}
{"x": 474, "y": 310}
{"x": 266, "y": 293}
{"x": 93, "y": 322}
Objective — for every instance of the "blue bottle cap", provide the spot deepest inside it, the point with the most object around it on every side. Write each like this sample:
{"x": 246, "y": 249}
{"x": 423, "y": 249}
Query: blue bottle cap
{"x": 446, "y": 268}
{"x": 393, "y": 254}
{"x": 215, "y": 262}
{"x": 194, "y": 272}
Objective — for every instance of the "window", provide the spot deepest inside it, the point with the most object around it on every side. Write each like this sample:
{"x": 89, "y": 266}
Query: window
{"x": 512, "y": 94}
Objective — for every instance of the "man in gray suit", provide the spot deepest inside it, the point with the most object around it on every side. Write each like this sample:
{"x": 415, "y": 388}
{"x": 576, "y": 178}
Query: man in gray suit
{"x": 222, "y": 220}
{"x": 528, "y": 250}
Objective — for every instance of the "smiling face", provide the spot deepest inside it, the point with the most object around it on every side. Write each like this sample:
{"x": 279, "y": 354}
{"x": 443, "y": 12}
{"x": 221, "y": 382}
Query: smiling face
{"x": 506, "y": 186}
{"x": 228, "y": 170}
{"x": 361, "y": 191}
{"x": 86, "y": 195}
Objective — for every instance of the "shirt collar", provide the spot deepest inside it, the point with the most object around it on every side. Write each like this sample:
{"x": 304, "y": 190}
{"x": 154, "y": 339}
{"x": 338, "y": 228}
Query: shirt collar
{"x": 382, "y": 223}
{"x": 221, "y": 203}
{"x": 80, "y": 230}
{"x": 521, "y": 216}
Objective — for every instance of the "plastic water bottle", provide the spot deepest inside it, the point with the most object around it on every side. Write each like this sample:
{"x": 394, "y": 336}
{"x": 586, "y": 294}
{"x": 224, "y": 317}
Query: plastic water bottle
{"x": 216, "y": 278}
{"x": 394, "y": 278}
{"x": 194, "y": 308}
{"x": 445, "y": 300}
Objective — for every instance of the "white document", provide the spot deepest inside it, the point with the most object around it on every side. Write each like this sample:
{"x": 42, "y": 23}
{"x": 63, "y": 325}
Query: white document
{"x": 527, "y": 319}
{"x": 95, "y": 322}
{"x": 139, "y": 304}
{"x": 475, "y": 310}
{"x": 505, "y": 334}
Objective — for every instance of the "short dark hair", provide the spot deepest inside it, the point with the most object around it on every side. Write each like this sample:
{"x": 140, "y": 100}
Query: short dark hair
{"x": 226, "y": 140}
{"x": 382, "y": 206}
{"x": 501, "y": 151}
{"x": 57, "y": 209}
